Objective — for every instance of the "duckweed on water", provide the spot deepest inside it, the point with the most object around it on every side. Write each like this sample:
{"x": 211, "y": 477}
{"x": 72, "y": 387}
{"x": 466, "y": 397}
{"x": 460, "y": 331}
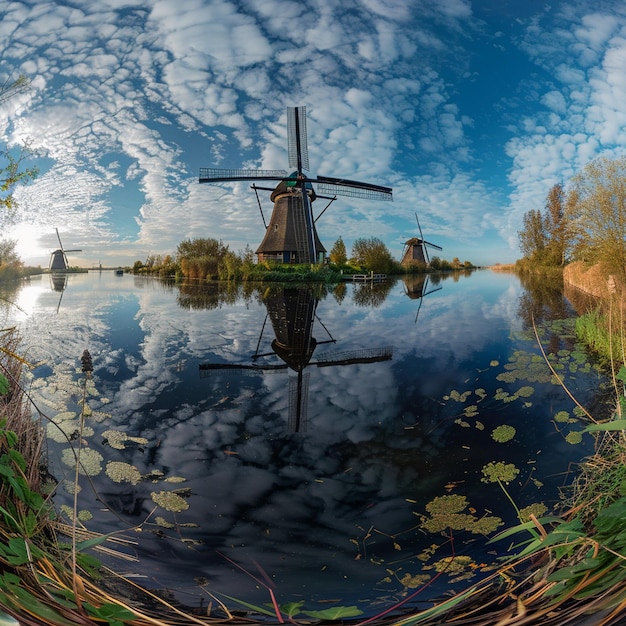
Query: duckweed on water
{"x": 169, "y": 501}
{"x": 161, "y": 521}
{"x": 574, "y": 437}
{"x": 66, "y": 430}
{"x": 90, "y": 461}
{"x": 83, "y": 515}
{"x": 563, "y": 417}
{"x": 454, "y": 565}
{"x": 538, "y": 509}
{"x": 413, "y": 581}
{"x": 446, "y": 512}
{"x": 499, "y": 471}
{"x": 503, "y": 433}
{"x": 117, "y": 439}
{"x": 120, "y": 472}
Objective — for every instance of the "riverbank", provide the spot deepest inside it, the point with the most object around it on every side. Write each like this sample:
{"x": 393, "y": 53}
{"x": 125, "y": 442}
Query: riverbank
{"x": 590, "y": 279}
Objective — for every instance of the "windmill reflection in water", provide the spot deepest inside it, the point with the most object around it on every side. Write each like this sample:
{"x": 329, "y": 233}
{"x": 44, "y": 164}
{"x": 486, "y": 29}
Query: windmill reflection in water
{"x": 292, "y": 312}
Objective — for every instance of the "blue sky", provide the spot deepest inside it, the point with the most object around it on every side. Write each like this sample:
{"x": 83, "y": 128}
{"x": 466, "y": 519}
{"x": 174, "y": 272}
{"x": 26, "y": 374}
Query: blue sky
{"x": 470, "y": 110}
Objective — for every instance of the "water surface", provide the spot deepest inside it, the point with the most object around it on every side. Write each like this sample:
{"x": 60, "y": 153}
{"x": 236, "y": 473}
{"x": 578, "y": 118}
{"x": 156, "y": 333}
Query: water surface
{"x": 306, "y": 436}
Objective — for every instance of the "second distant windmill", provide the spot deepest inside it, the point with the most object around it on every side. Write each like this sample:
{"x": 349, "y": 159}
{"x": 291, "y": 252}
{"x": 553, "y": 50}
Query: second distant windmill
{"x": 291, "y": 236}
{"x": 58, "y": 259}
{"x": 416, "y": 248}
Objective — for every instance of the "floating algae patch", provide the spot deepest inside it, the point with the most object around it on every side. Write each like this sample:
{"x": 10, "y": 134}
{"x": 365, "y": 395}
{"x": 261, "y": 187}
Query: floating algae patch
{"x": 90, "y": 460}
{"x": 161, "y": 521}
{"x": 525, "y": 392}
{"x": 470, "y": 411}
{"x": 458, "y": 397}
{"x": 564, "y": 417}
{"x": 574, "y": 437}
{"x": 117, "y": 439}
{"x": 538, "y": 509}
{"x": 83, "y": 515}
{"x": 503, "y": 433}
{"x": 461, "y": 566}
{"x": 413, "y": 581}
{"x": 525, "y": 366}
{"x": 169, "y": 501}
{"x": 499, "y": 471}
{"x": 67, "y": 430}
{"x": 120, "y": 472}
{"x": 447, "y": 512}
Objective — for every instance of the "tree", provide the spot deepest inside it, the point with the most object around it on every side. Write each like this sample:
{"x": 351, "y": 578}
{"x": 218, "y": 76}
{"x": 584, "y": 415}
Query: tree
{"x": 372, "y": 254}
{"x": 556, "y": 227}
{"x": 532, "y": 238}
{"x": 200, "y": 258}
{"x": 338, "y": 254}
{"x": 597, "y": 208}
{"x": 10, "y": 263}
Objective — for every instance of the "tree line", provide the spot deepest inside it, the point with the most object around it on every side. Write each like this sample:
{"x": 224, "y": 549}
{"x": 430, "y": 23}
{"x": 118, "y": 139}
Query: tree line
{"x": 211, "y": 259}
{"x": 585, "y": 222}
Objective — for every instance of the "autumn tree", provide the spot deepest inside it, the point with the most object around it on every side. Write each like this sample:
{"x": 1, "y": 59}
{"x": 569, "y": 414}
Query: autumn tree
{"x": 10, "y": 263}
{"x": 338, "y": 254}
{"x": 546, "y": 238}
{"x": 372, "y": 254}
{"x": 598, "y": 211}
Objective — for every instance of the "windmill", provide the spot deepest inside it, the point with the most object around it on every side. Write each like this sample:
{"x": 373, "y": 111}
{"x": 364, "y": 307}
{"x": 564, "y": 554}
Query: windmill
{"x": 415, "y": 249}
{"x": 292, "y": 313}
{"x": 291, "y": 236}
{"x": 58, "y": 259}
{"x": 416, "y": 288}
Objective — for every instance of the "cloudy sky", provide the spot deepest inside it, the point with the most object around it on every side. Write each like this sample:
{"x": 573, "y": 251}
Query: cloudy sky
{"x": 470, "y": 109}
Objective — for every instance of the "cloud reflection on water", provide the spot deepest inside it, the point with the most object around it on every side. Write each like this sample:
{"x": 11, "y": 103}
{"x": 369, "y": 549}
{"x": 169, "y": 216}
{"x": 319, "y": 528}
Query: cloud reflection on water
{"x": 378, "y": 434}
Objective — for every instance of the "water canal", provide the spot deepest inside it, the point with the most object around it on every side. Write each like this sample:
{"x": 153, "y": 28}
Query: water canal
{"x": 339, "y": 444}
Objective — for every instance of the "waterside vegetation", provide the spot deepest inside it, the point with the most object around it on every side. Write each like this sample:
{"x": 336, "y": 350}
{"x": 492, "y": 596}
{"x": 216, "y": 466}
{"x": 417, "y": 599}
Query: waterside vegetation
{"x": 205, "y": 259}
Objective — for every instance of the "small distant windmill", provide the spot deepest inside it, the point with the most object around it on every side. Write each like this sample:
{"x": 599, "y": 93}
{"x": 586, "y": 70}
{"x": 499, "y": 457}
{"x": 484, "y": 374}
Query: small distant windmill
{"x": 291, "y": 237}
{"x": 415, "y": 249}
{"x": 58, "y": 259}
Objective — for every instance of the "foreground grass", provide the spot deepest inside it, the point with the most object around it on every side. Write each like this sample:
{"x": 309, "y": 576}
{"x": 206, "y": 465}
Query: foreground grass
{"x": 562, "y": 569}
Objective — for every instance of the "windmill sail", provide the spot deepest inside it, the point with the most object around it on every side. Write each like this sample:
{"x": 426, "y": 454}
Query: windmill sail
{"x": 291, "y": 236}
{"x": 297, "y": 148}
